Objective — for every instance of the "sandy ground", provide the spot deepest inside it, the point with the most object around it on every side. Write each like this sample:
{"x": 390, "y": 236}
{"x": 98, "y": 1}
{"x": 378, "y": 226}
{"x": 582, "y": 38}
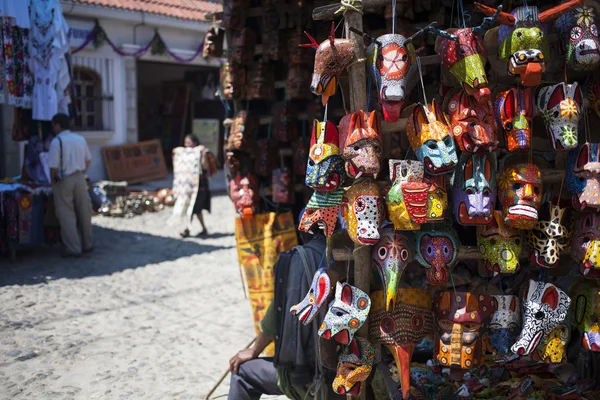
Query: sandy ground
{"x": 146, "y": 316}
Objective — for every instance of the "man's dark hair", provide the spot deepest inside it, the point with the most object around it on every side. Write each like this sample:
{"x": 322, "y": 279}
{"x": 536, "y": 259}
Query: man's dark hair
{"x": 63, "y": 120}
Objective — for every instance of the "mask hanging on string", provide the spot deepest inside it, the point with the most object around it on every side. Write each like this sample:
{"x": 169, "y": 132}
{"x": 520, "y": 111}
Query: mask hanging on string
{"x": 362, "y": 209}
{"x": 550, "y": 236}
{"x": 499, "y": 246}
{"x": 561, "y": 107}
{"x": 514, "y": 113}
{"x": 520, "y": 194}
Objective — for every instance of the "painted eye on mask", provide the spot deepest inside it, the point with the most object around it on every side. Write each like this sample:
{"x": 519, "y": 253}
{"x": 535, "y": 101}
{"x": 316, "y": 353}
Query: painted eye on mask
{"x": 431, "y": 144}
{"x": 359, "y": 205}
{"x": 338, "y": 312}
{"x": 539, "y": 315}
{"x": 576, "y": 33}
{"x": 382, "y": 253}
{"x": 468, "y": 327}
{"x": 508, "y": 126}
{"x": 404, "y": 254}
{"x": 445, "y": 324}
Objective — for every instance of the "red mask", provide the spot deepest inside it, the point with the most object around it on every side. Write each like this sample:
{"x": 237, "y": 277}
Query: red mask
{"x": 472, "y": 123}
{"x": 244, "y": 194}
{"x": 514, "y": 112}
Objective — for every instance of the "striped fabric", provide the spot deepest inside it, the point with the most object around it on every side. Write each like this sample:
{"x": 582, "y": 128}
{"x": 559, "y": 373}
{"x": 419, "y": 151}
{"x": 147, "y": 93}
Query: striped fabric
{"x": 325, "y": 199}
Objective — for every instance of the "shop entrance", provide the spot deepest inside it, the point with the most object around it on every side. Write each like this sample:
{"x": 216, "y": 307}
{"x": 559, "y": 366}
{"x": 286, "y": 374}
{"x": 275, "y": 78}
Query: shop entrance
{"x": 175, "y": 100}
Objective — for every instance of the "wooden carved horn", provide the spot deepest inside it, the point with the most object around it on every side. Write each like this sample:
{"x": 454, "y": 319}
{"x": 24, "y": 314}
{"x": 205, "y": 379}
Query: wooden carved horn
{"x": 332, "y": 35}
{"x": 488, "y": 22}
{"x": 555, "y": 12}
{"x": 313, "y": 42}
{"x": 442, "y": 33}
{"x": 417, "y": 33}
{"x": 503, "y": 17}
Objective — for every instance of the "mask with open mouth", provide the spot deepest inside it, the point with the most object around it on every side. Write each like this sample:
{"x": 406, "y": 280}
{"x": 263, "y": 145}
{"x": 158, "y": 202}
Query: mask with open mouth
{"x": 561, "y": 107}
{"x": 587, "y": 317}
{"x": 332, "y": 57}
{"x": 474, "y": 189}
{"x": 520, "y": 193}
{"x": 437, "y": 251}
{"x": 545, "y": 306}
{"x": 391, "y": 255}
{"x": 322, "y": 212}
{"x": 360, "y": 141}
{"x": 325, "y": 169}
{"x": 362, "y": 209}
{"x": 463, "y": 320}
{"x": 514, "y": 113}
{"x": 431, "y": 139}
{"x": 346, "y": 314}
{"x": 317, "y": 295}
{"x": 505, "y": 324}
{"x": 407, "y": 178}
{"x": 472, "y": 123}
{"x": 579, "y": 33}
{"x": 585, "y": 248}
{"x": 583, "y": 171}
{"x": 401, "y": 328}
{"x": 550, "y": 236}
{"x": 355, "y": 364}
{"x": 499, "y": 245}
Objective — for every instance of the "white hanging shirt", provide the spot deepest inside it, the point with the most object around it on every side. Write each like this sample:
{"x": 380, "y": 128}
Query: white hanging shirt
{"x": 17, "y": 9}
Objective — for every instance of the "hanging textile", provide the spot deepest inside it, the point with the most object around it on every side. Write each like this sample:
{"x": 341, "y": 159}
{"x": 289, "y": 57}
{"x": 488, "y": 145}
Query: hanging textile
{"x": 16, "y": 52}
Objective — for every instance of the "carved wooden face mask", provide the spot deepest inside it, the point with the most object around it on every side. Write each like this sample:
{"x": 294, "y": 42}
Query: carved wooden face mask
{"x": 322, "y": 211}
{"x": 514, "y": 112}
{"x": 346, "y": 314}
{"x": 391, "y": 255}
{"x": 584, "y": 177}
{"x": 333, "y": 56}
{"x": 213, "y": 43}
{"x": 402, "y": 328}
{"x": 550, "y": 236}
{"x": 317, "y": 295}
{"x": 437, "y": 251}
{"x": 520, "y": 193}
{"x": 579, "y": 34}
{"x": 472, "y": 124}
{"x": 354, "y": 367}
{"x": 244, "y": 194}
{"x": 325, "y": 170}
{"x": 544, "y": 307}
{"x": 431, "y": 139}
{"x": 242, "y": 132}
{"x": 561, "y": 107}
{"x": 587, "y": 317}
{"x": 499, "y": 245}
{"x": 360, "y": 140}
{"x": 298, "y": 83}
{"x": 585, "y": 249}
{"x": 505, "y": 324}
{"x": 463, "y": 320}
{"x": 283, "y": 121}
{"x": 407, "y": 180}
{"x": 233, "y": 81}
{"x": 362, "y": 209}
{"x": 474, "y": 189}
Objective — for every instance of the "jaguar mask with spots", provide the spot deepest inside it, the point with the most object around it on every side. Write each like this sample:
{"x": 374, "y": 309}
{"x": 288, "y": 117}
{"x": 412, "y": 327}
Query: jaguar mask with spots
{"x": 550, "y": 236}
{"x": 474, "y": 189}
{"x": 583, "y": 172}
{"x": 407, "y": 197}
{"x": 544, "y": 307}
{"x": 400, "y": 329}
{"x": 463, "y": 320}
{"x": 472, "y": 123}
{"x": 362, "y": 209}
{"x": 522, "y": 38}
{"x": 514, "y": 113}
{"x": 585, "y": 248}
{"x": 505, "y": 324}
{"x": 499, "y": 246}
{"x": 431, "y": 139}
{"x": 322, "y": 212}
{"x": 391, "y": 255}
{"x": 325, "y": 169}
{"x": 360, "y": 140}
{"x": 437, "y": 251}
{"x": 355, "y": 364}
{"x": 316, "y": 297}
{"x": 561, "y": 107}
{"x": 520, "y": 194}
{"x": 579, "y": 34}
{"x": 587, "y": 317}
{"x": 346, "y": 314}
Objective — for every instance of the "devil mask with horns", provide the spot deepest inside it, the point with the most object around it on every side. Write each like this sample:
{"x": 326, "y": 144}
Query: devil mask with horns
{"x": 522, "y": 38}
{"x": 561, "y": 106}
{"x": 550, "y": 236}
{"x": 325, "y": 169}
{"x": 360, "y": 141}
{"x": 499, "y": 246}
{"x": 585, "y": 249}
{"x": 463, "y": 54}
{"x": 333, "y": 56}
{"x": 514, "y": 112}
{"x": 346, "y": 314}
{"x": 579, "y": 33}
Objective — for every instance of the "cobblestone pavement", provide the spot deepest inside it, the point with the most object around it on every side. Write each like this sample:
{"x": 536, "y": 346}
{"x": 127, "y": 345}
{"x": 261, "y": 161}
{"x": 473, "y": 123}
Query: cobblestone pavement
{"x": 146, "y": 316}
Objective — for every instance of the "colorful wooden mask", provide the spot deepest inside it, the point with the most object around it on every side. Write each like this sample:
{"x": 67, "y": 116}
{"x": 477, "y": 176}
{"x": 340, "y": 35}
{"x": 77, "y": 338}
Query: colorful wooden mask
{"x": 322, "y": 211}
{"x": 241, "y": 50}
{"x": 233, "y": 81}
{"x": 437, "y": 251}
{"x": 325, "y": 170}
{"x": 213, "y": 42}
{"x": 584, "y": 177}
{"x": 585, "y": 249}
{"x": 235, "y": 13}
{"x": 544, "y": 307}
{"x": 266, "y": 157}
{"x": 360, "y": 140}
{"x": 346, "y": 314}
{"x": 463, "y": 54}
{"x": 553, "y": 348}
{"x": 463, "y": 320}
{"x": 298, "y": 83}
{"x": 522, "y": 38}
{"x": 514, "y": 112}
{"x": 402, "y": 327}
{"x": 243, "y": 191}
{"x": 520, "y": 194}
{"x": 283, "y": 186}
{"x": 587, "y": 317}
{"x": 407, "y": 179}
{"x": 332, "y": 58}
{"x": 550, "y": 236}
{"x": 283, "y": 121}
{"x": 474, "y": 189}
{"x": 431, "y": 139}
{"x": 437, "y": 197}
{"x": 317, "y": 295}
{"x": 362, "y": 209}
{"x": 472, "y": 123}
{"x": 261, "y": 82}
{"x": 354, "y": 367}
{"x": 242, "y": 132}
{"x": 579, "y": 34}
{"x": 561, "y": 107}
{"x": 505, "y": 324}
{"x": 391, "y": 255}
{"x": 499, "y": 245}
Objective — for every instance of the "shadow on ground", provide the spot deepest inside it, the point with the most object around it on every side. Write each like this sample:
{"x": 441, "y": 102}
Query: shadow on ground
{"x": 115, "y": 251}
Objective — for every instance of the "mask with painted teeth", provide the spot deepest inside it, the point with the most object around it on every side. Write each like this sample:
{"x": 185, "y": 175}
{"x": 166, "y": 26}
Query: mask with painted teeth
{"x": 520, "y": 193}
{"x": 579, "y": 33}
{"x": 346, "y": 314}
{"x": 499, "y": 245}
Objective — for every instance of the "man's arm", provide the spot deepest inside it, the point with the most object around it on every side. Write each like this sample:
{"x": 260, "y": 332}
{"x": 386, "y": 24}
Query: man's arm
{"x": 53, "y": 160}
{"x": 53, "y": 172}
{"x": 262, "y": 341}
{"x": 87, "y": 165}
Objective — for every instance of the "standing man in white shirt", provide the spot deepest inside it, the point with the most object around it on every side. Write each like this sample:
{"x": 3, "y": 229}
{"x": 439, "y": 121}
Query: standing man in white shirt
{"x": 69, "y": 159}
